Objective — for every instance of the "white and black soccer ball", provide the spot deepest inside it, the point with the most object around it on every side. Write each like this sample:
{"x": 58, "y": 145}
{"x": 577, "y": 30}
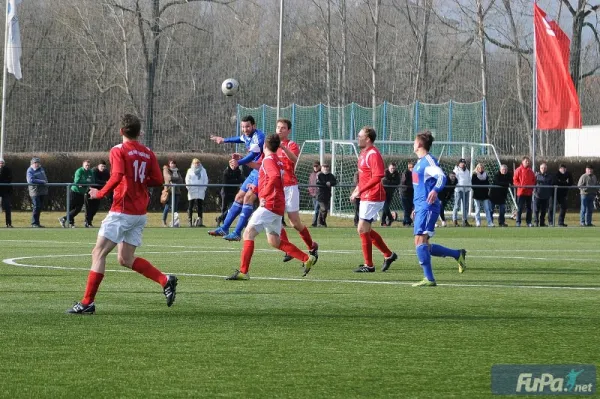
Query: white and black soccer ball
{"x": 230, "y": 86}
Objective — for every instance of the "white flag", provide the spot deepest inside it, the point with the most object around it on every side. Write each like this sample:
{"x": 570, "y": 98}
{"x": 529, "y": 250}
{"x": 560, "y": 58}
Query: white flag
{"x": 13, "y": 45}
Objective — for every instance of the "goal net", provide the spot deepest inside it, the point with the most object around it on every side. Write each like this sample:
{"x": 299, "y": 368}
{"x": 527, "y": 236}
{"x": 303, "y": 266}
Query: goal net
{"x": 343, "y": 155}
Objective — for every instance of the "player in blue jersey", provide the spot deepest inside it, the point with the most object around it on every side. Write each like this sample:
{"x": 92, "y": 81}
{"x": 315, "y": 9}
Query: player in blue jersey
{"x": 428, "y": 181}
{"x": 243, "y": 205}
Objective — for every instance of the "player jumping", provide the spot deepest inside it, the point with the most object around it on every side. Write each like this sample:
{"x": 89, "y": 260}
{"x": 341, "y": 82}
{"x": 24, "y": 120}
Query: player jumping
{"x": 133, "y": 169}
{"x": 243, "y": 205}
{"x": 268, "y": 216}
{"x": 428, "y": 181}
{"x": 371, "y": 170}
{"x": 288, "y": 154}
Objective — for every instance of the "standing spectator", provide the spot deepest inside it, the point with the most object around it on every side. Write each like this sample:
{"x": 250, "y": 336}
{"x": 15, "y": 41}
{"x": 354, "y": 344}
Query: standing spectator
{"x": 36, "y": 177}
{"x": 587, "y": 192}
{"x": 447, "y": 194}
{"x": 79, "y": 190}
{"x": 172, "y": 176}
{"x": 407, "y": 194}
{"x": 230, "y": 176}
{"x": 542, "y": 195}
{"x": 498, "y": 194}
{"x": 101, "y": 176}
{"x": 196, "y": 174}
{"x": 325, "y": 181}
{"x": 481, "y": 195}
{"x": 461, "y": 192}
{"x": 524, "y": 176}
{"x": 391, "y": 181}
{"x": 6, "y": 192}
{"x": 356, "y": 200}
{"x": 314, "y": 191}
{"x": 562, "y": 178}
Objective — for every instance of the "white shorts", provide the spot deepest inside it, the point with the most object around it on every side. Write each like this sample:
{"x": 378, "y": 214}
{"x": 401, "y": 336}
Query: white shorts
{"x": 369, "y": 210}
{"x": 292, "y": 199}
{"x": 264, "y": 219}
{"x": 119, "y": 227}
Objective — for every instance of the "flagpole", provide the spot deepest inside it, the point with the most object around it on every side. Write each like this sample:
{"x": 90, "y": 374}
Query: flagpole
{"x": 4, "y": 78}
{"x": 534, "y": 94}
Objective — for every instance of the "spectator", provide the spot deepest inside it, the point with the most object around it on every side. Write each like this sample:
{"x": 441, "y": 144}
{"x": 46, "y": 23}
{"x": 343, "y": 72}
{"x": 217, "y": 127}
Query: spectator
{"x": 314, "y": 191}
{"x": 447, "y": 194}
{"x": 172, "y": 176}
{"x": 6, "y": 192}
{"x": 234, "y": 177}
{"x": 498, "y": 194}
{"x": 101, "y": 176}
{"x": 356, "y": 200}
{"x": 542, "y": 195}
{"x": 524, "y": 176}
{"x": 196, "y": 174}
{"x": 79, "y": 190}
{"x": 407, "y": 194}
{"x": 481, "y": 195}
{"x": 587, "y": 192}
{"x": 325, "y": 181}
{"x": 461, "y": 192}
{"x": 36, "y": 177}
{"x": 391, "y": 181}
{"x": 562, "y": 178}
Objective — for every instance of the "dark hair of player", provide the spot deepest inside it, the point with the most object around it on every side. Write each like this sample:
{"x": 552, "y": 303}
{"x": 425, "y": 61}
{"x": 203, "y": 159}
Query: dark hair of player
{"x": 370, "y": 131}
{"x": 131, "y": 126}
{"x": 286, "y": 121}
{"x": 426, "y": 139}
{"x": 272, "y": 142}
{"x": 249, "y": 118}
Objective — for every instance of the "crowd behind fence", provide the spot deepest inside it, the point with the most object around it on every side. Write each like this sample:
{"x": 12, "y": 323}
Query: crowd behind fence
{"x": 305, "y": 205}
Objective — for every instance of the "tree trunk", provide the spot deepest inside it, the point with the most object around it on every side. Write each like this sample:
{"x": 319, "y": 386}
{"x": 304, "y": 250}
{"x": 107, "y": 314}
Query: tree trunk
{"x": 482, "y": 62}
{"x": 151, "y": 74}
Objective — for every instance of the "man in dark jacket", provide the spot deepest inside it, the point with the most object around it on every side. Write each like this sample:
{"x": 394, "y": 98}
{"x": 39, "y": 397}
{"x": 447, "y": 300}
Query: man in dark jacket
{"x": 542, "y": 195}
{"x": 391, "y": 181}
{"x": 325, "y": 180}
{"x": 562, "y": 178}
{"x": 407, "y": 194}
{"x": 101, "y": 175}
{"x": 230, "y": 176}
{"x": 447, "y": 194}
{"x": 6, "y": 192}
{"x": 498, "y": 194}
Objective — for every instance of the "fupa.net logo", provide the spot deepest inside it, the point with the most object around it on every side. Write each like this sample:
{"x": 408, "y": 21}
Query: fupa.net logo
{"x": 548, "y": 383}
{"x": 521, "y": 379}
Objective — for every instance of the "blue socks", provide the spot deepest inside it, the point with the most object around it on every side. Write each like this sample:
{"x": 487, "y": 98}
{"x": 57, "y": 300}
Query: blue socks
{"x": 232, "y": 213}
{"x": 425, "y": 260}
{"x": 438, "y": 250}
{"x": 244, "y": 217}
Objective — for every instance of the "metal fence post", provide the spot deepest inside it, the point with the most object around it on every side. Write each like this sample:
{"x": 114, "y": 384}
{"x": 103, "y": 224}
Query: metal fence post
{"x": 554, "y": 207}
{"x": 68, "y": 216}
{"x": 172, "y": 206}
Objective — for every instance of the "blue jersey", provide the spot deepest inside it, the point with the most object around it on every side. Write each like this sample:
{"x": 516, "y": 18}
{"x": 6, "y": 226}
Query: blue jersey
{"x": 254, "y": 145}
{"x": 427, "y": 176}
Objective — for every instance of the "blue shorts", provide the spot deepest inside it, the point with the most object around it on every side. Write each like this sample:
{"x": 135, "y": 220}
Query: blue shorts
{"x": 425, "y": 221}
{"x": 251, "y": 179}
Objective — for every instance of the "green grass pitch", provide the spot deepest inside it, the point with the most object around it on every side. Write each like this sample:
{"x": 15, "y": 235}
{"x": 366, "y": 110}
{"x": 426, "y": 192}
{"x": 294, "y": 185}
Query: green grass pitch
{"x": 529, "y": 296}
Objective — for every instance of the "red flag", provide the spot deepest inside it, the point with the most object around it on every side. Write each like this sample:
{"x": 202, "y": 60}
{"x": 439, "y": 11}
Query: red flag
{"x": 557, "y": 101}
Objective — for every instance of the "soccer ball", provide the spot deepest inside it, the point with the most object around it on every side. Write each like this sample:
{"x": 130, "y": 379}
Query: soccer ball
{"x": 230, "y": 86}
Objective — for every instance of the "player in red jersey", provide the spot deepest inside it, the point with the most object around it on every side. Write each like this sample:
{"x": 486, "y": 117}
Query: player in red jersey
{"x": 268, "y": 215}
{"x": 288, "y": 154}
{"x": 371, "y": 170}
{"x": 133, "y": 169}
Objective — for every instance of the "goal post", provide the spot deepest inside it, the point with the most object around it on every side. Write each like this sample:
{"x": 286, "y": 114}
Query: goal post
{"x": 342, "y": 155}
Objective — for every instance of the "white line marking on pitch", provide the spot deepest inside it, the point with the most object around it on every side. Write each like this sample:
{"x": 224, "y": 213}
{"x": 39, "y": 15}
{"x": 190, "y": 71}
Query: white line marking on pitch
{"x": 13, "y": 262}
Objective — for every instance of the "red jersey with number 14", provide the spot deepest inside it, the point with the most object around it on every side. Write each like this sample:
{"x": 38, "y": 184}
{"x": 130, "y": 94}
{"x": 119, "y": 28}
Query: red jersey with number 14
{"x": 289, "y": 174}
{"x": 370, "y": 169}
{"x": 133, "y": 167}
{"x": 270, "y": 184}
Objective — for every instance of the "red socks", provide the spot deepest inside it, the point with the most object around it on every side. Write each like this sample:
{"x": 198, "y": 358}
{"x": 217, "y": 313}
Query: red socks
{"x": 145, "y": 268}
{"x": 93, "y": 283}
{"x": 246, "y": 257}
{"x": 367, "y": 248}
{"x": 380, "y": 244}
{"x": 283, "y": 235}
{"x": 292, "y": 250}
{"x": 305, "y": 234}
